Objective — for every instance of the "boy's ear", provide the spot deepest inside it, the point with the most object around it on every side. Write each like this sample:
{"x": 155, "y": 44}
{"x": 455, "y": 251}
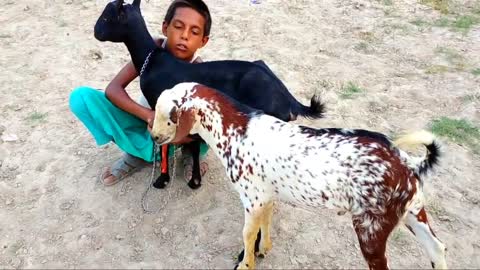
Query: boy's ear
{"x": 164, "y": 28}
{"x": 205, "y": 40}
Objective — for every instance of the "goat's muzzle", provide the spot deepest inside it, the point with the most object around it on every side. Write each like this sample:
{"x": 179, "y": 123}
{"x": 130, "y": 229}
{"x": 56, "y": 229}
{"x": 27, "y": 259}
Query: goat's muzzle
{"x": 161, "y": 139}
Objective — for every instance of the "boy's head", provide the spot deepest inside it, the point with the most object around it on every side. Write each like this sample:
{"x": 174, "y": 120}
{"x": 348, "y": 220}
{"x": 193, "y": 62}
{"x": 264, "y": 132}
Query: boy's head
{"x": 187, "y": 27}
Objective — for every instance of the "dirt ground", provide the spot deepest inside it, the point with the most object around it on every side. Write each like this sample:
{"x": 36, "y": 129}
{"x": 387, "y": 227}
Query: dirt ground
{"x": 54, "y": 214}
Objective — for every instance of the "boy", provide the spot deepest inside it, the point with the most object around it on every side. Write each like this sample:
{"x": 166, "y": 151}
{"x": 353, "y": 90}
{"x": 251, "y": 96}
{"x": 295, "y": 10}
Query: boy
{"x": 186, "y": 26}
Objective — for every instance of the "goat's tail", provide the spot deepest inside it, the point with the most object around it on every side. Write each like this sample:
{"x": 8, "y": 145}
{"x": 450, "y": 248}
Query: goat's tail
{"x": 314, "y": 111}
{"x": 421, "y": 165}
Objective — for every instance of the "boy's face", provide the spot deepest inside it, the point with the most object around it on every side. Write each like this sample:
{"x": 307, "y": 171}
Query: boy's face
{"x": 185, "y": 33}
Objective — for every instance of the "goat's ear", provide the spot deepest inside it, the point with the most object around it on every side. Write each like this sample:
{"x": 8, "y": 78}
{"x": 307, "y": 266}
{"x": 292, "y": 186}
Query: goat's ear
{"x": 174, "y": 115}
{"x": 136, "y": 3}
{"x": 119, "y": 4}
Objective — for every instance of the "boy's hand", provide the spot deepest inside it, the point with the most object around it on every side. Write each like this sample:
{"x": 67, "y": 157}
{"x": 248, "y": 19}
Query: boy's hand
{"x": 150, "y": 119}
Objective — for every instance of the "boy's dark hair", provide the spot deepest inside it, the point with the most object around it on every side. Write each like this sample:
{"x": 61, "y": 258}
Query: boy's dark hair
{"x": 197, "y": 5}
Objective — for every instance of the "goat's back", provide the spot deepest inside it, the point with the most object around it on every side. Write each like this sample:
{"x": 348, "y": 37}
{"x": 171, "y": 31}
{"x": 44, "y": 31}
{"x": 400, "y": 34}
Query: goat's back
{"x": 351, "y": 170}
{"x": 251, "y": 83}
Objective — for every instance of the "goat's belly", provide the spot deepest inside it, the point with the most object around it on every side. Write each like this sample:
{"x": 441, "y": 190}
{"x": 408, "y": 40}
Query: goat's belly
{"x": 315, "y": 193}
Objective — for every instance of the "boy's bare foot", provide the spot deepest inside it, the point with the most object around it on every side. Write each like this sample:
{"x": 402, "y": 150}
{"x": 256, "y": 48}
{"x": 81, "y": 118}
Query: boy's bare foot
{"x": 188, "y": 167}
{"x": 120, "y": 169}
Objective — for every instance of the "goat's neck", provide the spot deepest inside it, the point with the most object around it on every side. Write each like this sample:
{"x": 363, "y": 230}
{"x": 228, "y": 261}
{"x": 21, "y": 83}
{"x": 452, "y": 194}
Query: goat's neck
{"x": 139, "y": 43}
{"x": 220, "y": 128}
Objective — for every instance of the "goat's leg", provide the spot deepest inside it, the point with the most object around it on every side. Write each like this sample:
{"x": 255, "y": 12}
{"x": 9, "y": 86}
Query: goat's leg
{"x": 164, "y": 177}
{"x": 417, "y": 223}
{"x": 257, "y": 247}
{"x": 265, "y": 241}
{"x": 196, "y": 180}
{"x": 372, "y": 233}
{"x": 253, "y": 219}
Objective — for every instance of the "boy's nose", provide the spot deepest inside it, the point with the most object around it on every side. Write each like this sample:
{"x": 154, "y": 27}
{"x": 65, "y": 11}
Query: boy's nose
{"x": 185, "y": 34}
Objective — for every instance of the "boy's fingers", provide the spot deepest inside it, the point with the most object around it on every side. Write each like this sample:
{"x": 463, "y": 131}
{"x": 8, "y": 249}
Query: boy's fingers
{"x": 149, "y": 125}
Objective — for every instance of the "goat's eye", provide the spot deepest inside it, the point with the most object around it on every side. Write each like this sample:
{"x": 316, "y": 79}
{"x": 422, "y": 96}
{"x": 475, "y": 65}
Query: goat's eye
{"x": 168, "y": 123}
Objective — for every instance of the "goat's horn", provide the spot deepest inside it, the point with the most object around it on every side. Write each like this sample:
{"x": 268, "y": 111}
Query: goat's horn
{"x": 136, "y": 3}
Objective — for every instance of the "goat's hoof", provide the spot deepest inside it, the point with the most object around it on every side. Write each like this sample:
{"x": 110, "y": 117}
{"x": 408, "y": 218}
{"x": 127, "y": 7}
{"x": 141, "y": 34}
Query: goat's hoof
{"x": 240, "y": 256}
{"x": 194, "y": 183}
{"x": 241, "y": 266}
{"x": 263, "y": 249}
{"x": 162, "y": 181}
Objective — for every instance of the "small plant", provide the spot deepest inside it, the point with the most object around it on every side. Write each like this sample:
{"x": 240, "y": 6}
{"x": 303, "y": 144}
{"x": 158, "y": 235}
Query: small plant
{"x": 476, "y": 71}
{"x": 453, "y": 57}
{"x": 437, "y": 69}
{"x": 361, "y": 47}
{"x": 471, "y": 98}
{"x": 36, "y": 117}
{"x": 398, "y": 234}
{"x": 434, "y": 207}
{"x": 442, "y": 22}
{"x": 419, "y": 23}
{"x": 440, "y": 5}
{"x": 459, "y": 131}
{"x": 367, "y": 36}
{"x": 350, "y": 90}
{"x": 464, "y": 23}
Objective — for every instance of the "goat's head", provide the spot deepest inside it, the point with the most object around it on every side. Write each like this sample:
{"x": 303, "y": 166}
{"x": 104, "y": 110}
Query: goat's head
{"x": 174, "y": 118}
{"x": 113, "y": 24}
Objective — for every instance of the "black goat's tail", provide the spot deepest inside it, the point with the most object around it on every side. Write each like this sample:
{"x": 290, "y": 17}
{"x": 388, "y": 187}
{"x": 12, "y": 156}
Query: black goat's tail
{"x": 421, "y": 165}
{"x": 315, "y": 111}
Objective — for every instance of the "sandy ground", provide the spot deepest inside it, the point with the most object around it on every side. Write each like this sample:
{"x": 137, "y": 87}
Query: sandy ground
{"x": 54, "y": 214}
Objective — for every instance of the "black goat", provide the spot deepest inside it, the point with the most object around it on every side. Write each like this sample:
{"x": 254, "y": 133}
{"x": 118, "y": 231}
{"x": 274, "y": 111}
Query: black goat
{"x": 251, "y": 83}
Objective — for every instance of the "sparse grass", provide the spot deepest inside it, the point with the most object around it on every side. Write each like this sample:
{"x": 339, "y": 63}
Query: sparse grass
{"x": 350, "y": 90}
{"x": 442, "y": 22}
{"x": 367, "y": 36}
{"x": 420, "y": 23}
{"x": 434, "y": 207}
{"x": 476, "y": 71}
{"x": 451, "y": 54}
{"x": 362, "y": 47}
{"x": 461, "y": 23}
{"x": 471, "y": 98}
{"x": 437, "y": 69}
{"x": 453, "y": 57}
{"x": 398, "y": 234}
{"x": 389, "y": 11}
{"x": 465, "y": 22}
{"x": 36, "y": 117}
{"x": 440, "y": 5}
{"x": 476, "y": 9}
{"x": 401, "y": 28}
{"x": 387, "y": 2}
{"x": 459, "y": 131}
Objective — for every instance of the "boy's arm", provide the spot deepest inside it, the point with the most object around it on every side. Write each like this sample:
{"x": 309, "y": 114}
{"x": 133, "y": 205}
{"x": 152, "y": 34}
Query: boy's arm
{"x": 117, "y": 94}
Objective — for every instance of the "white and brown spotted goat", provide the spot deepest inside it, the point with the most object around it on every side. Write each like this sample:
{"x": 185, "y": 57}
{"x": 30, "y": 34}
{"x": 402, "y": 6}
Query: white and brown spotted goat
{"x": 358, "y": 171}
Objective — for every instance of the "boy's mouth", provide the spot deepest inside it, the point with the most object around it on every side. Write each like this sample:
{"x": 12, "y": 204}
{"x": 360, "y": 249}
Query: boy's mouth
{"x": 181, "y": 47}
